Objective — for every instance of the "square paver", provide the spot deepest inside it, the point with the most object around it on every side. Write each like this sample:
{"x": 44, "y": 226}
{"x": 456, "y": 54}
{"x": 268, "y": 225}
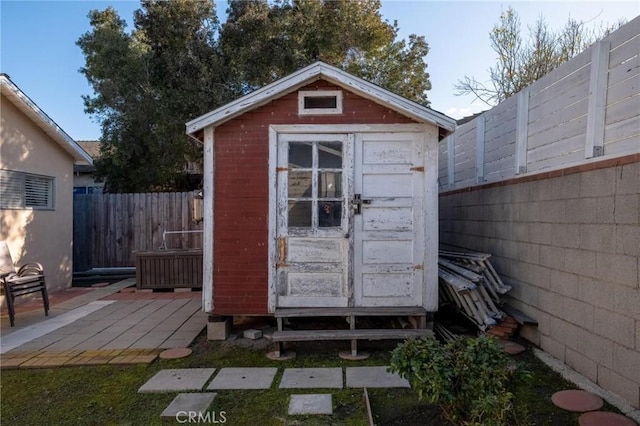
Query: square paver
{"x": 308, "y": 378}
{"x": 374, "y": 377}
{"x": 310, "y": 404}
{"x": 243, "y": 378}
{"x": 181, "y": 379}
{"x": 186, "y": 403}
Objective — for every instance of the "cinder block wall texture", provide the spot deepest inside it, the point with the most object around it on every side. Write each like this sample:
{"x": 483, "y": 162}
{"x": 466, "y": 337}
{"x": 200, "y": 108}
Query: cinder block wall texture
{"x": 569, "y": 244}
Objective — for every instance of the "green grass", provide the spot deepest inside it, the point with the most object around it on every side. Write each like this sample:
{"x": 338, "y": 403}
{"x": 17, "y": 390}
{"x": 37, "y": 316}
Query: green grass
{"x": 107, "y": 395}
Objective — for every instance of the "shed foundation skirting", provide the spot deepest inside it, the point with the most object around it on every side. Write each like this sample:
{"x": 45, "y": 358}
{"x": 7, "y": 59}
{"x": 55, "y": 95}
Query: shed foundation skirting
{"x": 168, "y": 269}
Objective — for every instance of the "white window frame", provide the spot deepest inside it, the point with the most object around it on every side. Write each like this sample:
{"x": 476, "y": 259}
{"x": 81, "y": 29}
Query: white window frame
{"x": 319, "y": 94}
{"x": 19, "y": 199}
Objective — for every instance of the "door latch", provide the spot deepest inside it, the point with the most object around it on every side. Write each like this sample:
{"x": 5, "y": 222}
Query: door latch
{"x": 358, "y": 202}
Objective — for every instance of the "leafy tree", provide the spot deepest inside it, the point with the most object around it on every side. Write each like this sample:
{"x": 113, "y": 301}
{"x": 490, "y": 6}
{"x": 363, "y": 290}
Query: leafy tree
{"x": 147, "y": 84}
{"x": 521, "y": 62}
{"x": 398, "y": 68}
{"x": 178, "y": 62}
{"x": 288, "y": 35}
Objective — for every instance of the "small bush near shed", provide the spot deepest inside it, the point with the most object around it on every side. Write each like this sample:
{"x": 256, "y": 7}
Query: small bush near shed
{"x": 469, "y": 378}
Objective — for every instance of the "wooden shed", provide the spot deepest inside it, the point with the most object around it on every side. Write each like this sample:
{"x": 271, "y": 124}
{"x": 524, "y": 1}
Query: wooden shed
{"x": 320, "y": 191}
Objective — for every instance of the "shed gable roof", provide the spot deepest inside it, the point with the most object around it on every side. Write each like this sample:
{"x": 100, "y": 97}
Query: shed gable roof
{"x": 18, "y": 98}
{"x": 332, "y": 74}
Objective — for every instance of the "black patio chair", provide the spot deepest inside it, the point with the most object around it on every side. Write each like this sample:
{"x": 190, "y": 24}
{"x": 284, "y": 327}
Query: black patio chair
{"x": 27, "y": 279}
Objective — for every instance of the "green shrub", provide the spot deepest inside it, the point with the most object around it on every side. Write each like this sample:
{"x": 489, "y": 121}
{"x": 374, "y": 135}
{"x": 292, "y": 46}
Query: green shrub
{"x": 468, "y": 378}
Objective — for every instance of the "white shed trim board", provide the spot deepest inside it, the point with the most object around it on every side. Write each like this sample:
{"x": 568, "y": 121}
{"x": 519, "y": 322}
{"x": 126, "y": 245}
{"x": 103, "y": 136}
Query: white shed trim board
{"x": 332, "y": 74}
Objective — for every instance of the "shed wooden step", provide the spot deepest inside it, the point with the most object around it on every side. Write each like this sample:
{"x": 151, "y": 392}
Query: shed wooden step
{"x": 369, "y": 334}
{"x": 345, "y": 312}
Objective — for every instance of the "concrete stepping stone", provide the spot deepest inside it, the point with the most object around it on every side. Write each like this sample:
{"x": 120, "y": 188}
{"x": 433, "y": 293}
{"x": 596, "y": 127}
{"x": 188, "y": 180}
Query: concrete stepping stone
{"x": 310, "y": 404}
{"x": 599, "y": 418}
{"x": 180, "y": 379}
{"x": 186, "y": 403}
{"x": 243, "y": 378}
{"x": 374, "y": 377}
{"x": 577, "y": 400}
{"x": 308, "y": 378}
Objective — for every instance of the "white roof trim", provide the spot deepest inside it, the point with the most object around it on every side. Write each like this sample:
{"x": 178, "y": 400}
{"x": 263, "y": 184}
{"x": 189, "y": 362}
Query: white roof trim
{"x": 18, "y": 98}
{"x": 314, "y": 72}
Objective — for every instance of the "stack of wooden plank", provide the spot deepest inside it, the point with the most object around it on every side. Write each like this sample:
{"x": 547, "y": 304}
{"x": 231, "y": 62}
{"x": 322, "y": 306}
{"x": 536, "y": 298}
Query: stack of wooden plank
{"x": 471, "y": 284}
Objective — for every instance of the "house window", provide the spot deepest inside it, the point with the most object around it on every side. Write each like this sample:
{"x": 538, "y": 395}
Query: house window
{"x": 19, "y": 190}
{"x": 320, "y": 102}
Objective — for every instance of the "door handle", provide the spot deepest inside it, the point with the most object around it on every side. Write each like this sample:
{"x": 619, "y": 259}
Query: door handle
{"x": 358, "y": 202}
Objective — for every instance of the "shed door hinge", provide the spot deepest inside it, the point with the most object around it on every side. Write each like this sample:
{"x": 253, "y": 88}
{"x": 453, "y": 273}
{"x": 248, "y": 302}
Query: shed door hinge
{"x": 417, "y": 169}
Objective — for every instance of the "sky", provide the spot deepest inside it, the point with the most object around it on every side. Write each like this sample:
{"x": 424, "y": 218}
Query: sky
{"x": 38, "y": 50}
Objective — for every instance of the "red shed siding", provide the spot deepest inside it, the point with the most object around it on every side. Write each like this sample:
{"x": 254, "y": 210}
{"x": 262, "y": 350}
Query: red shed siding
{"x": 242, "y": 195}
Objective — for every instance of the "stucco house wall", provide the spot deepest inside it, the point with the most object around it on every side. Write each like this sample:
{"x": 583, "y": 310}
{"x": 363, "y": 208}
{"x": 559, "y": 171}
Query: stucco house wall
{"x": 36, "y": 235}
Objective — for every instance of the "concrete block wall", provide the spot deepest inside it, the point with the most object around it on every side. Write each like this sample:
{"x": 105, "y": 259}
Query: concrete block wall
{"x": 569, "y": 244}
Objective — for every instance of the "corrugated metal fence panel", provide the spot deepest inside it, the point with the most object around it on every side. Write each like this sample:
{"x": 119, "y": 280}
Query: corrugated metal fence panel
{"x": 109, "y": 227}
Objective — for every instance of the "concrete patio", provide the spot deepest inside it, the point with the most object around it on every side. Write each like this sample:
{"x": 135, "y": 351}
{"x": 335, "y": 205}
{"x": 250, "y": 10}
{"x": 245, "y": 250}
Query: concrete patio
{"x": 114, "y": 324}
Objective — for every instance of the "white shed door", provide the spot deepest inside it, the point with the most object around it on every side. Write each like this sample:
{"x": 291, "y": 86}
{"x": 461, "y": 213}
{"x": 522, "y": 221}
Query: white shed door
{"x": 314, "y": 180}
{"x": 389, "y": 224}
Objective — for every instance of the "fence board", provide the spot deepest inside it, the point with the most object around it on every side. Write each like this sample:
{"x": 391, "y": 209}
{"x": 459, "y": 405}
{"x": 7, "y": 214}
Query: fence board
{"x": 623, "y": 110}
{"x": 565, "y": 123}
{"x": 624, "y": 33}
{"x": 622, "y": 90}
{"x": 108, "y": 228}
{"x": 559, "y": 118}
{"x": 562, "y": 96}
{"x": 566, "y": 130}
{"x": 622, "y": 146}
{"x": 562, "y": 74}
{"x": 443, "y": 163}
{"x": 622, "y": 130}
{"x": 501, "y": 151}
{"x": 568, "y": 158}
{"x": 624, "y": 52}
{"x": 621, "y": 72}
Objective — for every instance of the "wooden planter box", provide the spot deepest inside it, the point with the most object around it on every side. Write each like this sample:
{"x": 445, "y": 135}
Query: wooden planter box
{"x": 168, "y": 269}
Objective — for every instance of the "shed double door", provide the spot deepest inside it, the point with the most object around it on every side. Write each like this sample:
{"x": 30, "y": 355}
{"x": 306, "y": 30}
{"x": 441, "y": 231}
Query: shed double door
{"x": 350, "y": 220}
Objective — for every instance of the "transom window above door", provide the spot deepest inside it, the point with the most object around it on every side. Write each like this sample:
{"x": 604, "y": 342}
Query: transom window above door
{"x": 315, "y": 193}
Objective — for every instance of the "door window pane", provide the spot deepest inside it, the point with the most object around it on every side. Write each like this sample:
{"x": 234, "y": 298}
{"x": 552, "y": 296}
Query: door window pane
{"x": 330, "y": 155}
{"x": 330, "y": 185}
{"x": 329, "y": 213}
{"x": 300, "y": 155}
{"x": 300, "y": 184}
{"x": 300, "y": 214}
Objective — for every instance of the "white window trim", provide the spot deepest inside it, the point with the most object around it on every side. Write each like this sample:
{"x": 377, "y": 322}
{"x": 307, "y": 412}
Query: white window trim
{"x": 319, "y": 94}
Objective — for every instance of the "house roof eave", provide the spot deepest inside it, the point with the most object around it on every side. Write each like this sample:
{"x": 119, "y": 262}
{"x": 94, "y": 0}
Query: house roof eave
{"x": 18, "y": 98}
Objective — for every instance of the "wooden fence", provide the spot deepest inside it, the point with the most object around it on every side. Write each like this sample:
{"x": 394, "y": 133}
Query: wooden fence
{"x": 586, "y": 109}
{"x": 109, "y": 227}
